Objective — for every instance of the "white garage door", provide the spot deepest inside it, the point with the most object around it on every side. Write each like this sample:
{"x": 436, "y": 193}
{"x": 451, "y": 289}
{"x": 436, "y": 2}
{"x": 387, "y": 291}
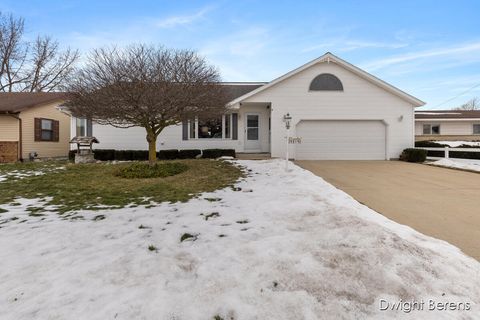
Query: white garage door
{"x": 340, "y": 140}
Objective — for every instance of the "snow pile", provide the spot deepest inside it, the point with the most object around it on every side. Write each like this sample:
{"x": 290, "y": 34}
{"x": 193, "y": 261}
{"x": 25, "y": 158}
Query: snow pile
{"x": 455, "y": 144}
{"x": 20, "y": 174}
{"x": 466, "y": 164}
{"x": 277, "y": 245}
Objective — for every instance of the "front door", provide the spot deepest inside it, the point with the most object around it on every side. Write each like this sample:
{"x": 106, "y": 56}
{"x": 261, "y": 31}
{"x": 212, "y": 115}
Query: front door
{"x": 252, "y": 132}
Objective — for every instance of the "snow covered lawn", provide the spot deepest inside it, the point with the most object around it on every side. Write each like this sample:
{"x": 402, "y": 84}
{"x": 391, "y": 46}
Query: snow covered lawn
{"x": 276, "y": 246}
{"x": 466, "y": 164}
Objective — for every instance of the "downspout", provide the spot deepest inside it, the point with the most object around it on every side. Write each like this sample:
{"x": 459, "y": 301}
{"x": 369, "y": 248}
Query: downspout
{"x": 20, "y": 151}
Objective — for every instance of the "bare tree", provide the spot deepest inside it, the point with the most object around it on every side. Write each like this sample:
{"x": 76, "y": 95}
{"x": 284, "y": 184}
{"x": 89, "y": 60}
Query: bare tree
{"x": 37, "y": 66}
{"x": 145, "y": 86}
{"x": 473, "y": 104}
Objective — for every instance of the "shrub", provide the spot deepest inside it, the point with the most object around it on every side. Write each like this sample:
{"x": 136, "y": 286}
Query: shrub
{"x": 104, "y": 154}
{"x": 167, "y": 154}
{"x": 189, "y": 153}
{"x": 144, "y": 170}
{"x": 413, "y": 155}
{"x": 131, "y": 155}
{"x": 429, "y": 144}
{"x": 217, "y": 153}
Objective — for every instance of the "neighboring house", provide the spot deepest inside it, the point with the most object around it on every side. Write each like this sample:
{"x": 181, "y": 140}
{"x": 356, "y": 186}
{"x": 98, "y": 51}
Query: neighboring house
{"x": 32, "y": 123}
{"x": 447, "y": 125}
{"x": 338, "y": 110}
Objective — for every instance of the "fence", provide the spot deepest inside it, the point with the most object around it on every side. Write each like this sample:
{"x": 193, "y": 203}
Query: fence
{"x": 446, "y": 151}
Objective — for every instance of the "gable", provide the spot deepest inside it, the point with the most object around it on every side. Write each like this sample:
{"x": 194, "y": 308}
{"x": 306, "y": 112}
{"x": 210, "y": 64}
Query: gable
{"x": 330, "y": 59}
{"x": 355, "y": 90}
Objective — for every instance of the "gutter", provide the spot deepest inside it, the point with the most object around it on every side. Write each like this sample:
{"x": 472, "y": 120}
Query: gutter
{"x": 16, "y": 116}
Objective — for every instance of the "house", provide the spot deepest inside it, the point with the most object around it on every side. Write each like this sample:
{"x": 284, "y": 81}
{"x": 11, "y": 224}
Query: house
{"x": 338, "y": 112}
{"x": 33, "y": 125}
{"x": 461, "y": 125}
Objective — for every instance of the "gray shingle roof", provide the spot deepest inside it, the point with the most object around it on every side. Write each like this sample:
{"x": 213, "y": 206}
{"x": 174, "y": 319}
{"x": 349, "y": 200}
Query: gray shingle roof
{"x": 17, "y": 101}
{"x": 447, "y": 114}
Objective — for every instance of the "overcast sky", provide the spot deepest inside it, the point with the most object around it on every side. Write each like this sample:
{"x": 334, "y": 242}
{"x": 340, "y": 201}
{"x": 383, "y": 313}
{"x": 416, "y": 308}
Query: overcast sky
{"x": 431, "y": 49}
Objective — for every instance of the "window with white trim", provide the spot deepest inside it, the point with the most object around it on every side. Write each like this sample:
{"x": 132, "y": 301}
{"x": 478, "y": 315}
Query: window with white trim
{"x": 476, "y": 128}
{"x": 429, "y": 129}
{"x": 216, "y": 128}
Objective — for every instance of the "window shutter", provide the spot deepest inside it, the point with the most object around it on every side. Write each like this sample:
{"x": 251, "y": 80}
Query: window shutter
{"x": 38, "y": 129}
{"x": 89, "y": 128}
{"x": 184, "y": 130}
{"x": 56, "y": 130}
{"x": 234, "y": 126}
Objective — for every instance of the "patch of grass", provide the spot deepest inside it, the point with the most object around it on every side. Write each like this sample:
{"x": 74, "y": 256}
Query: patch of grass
{"x": 143, "y": 227}
{"x": 152, "y": 248}
{"x": 213, "y": 199}
{"x": 95, "y": 186}
{"x": 98, "y": 217}
{"x": 142, "y": 170}
{"x": 243, "y": 221}
{"x": 187, "y": 236}
{"x": 217, "y": 317}
{"x": 3, "y": 210}
{"x": 212, "y": 215}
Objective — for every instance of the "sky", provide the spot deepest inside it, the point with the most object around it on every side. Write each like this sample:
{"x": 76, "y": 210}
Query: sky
{"x": 430, "y": 49}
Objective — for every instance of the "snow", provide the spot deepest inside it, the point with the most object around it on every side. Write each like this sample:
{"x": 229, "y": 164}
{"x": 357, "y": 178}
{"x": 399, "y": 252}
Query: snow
{"x": 20, "y": 174}
{"x": 466, "y": 164}
{"x": 455, "y": 144}
{"x": 294, "y": 247}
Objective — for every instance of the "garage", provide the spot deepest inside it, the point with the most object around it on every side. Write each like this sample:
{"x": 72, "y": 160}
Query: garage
{"x": 341, "y": 140}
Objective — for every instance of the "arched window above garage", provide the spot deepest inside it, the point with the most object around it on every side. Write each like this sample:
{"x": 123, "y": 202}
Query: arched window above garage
{"x": 326, "y": 82}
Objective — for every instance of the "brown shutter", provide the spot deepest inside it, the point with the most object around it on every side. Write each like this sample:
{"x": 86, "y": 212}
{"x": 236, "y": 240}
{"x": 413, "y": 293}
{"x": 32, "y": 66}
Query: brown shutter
{"x": 38, "y": 129}
{"x": 56, "y": 130}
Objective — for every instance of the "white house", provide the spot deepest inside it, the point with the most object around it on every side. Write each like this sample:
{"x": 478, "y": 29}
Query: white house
{"x": 338, "y": 111}
{"x": 461, "y": 125}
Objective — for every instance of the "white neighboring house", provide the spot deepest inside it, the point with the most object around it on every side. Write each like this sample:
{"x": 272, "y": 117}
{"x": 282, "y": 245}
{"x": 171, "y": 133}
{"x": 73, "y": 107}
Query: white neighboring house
{"x": 339, "y": 111}
{"x": 450, "y": 125}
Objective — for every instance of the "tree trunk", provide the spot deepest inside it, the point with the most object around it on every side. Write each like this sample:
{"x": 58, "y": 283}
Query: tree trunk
{"x": 152, "y": 147}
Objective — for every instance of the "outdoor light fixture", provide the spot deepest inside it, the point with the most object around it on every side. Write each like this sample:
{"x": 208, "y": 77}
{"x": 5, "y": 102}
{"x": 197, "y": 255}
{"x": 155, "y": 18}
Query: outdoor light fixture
{"x": 286, "y": 119}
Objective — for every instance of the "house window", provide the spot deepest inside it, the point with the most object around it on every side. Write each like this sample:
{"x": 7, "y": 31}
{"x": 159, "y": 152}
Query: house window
{"x": 476, "y": 129}
{"x": 227, "y": 126}
{"x": 81, "y": 130}
{"x": 192, "y": 128}
{"x": 429, "y": 129}
{"x": 210, "y": 129}
{"x": 47, "y": 130}
{"x": 326, "y": 82}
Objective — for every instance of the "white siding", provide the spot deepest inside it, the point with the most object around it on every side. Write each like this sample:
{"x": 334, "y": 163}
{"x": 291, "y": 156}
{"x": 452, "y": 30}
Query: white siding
{"x": 451, "y": 128}
{"x": 360, "y": 100}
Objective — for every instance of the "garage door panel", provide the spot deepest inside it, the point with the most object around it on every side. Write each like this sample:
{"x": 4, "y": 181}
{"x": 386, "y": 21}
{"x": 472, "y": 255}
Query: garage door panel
{"x": 341, "y": 140}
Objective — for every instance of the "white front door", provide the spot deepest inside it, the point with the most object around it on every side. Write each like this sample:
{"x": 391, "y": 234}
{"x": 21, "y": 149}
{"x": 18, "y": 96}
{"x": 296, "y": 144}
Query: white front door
{"x": 252, "y": 132}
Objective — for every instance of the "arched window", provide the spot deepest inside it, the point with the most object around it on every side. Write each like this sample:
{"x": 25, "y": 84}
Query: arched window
{"x": 326, "y": 82}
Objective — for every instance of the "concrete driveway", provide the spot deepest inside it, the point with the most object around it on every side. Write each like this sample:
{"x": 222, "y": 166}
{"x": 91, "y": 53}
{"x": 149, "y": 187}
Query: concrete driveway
{"x": 439, "y": 202}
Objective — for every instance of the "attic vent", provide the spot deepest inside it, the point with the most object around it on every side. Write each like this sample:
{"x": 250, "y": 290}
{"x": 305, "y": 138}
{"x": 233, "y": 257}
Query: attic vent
{"x": 326, "y": 82}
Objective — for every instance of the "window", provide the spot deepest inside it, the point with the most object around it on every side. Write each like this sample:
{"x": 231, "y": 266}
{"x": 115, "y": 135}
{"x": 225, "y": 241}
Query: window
{"x": 476, "y": 129}
{"x": 192, "y": 128}
{"x": 326, "y": 82}
{"x": 81, "y": 130}
{"x": 227, "y": 126}
{"x": 211, "y": 128}
{"x": 431, "y": 129}
{"x": 216, "y": 128}
{"x": 47, "y": 130}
